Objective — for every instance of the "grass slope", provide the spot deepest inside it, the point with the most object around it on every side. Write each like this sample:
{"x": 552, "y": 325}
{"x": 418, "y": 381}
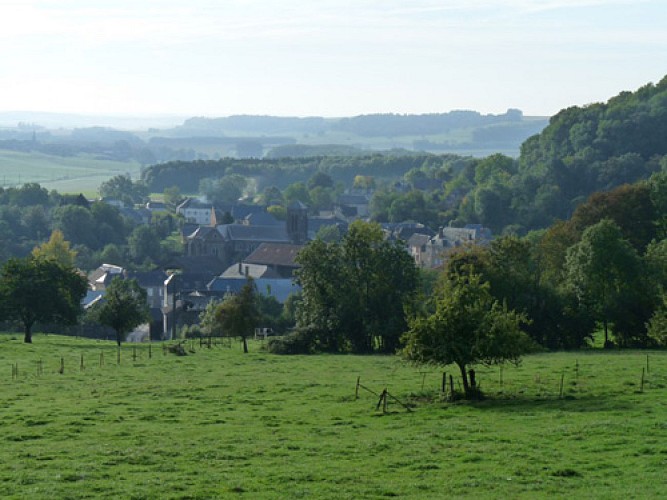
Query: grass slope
{"x": 220, "y": 424}
{"x": 75, "y": 174}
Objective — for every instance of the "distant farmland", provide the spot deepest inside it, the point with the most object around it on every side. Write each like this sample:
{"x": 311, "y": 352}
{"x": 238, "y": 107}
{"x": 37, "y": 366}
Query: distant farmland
{"x": 75, "y": 174}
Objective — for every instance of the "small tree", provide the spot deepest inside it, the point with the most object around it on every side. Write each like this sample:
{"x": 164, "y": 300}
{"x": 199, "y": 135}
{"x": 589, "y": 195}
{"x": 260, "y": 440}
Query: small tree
{"x": 467, "y": 327}
{"x": 237, "y": 315}
{"x": 58, "y": 249}
{"x": 37, "y": 289}
{"x": 124, "y": 307}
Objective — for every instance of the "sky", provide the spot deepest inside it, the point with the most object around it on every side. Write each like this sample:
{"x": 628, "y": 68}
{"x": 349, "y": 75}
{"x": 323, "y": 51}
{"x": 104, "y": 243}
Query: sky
{"x": 325, "y": 57}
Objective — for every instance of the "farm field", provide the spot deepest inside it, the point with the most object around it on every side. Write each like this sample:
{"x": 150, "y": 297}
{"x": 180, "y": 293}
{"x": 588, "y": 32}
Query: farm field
{"x": 76, "y": 174}
{"x": 220, "y": 424}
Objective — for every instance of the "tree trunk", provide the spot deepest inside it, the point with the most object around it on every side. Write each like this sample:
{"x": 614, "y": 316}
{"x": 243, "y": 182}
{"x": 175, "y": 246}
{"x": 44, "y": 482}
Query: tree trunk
{"x": 245, "y": 345}
{"x": 606, "y": 333}
{"x": 464, "y": 377}
{"x": 27, "y": 338}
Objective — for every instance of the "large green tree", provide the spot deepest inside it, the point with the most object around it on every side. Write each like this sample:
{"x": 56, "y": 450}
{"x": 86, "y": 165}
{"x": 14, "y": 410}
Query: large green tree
{"x": 467, "y": 326}
{"x": 38, "y": 289}
{"x": 123, "y": 308}
{"x": 354, "y": 292}
{"x": 605, "y": 272}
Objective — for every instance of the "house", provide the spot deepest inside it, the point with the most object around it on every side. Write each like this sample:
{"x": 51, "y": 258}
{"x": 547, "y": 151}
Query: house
{"x": 280, "y": 258}
{"x": 433, "y": 252}
{"x": 354, "y": 203}
{"x": 100, "y": 278}
{"x": 231, "y": 243}
{"x": 317, "y": 222}
{"x": 197, "y": 212}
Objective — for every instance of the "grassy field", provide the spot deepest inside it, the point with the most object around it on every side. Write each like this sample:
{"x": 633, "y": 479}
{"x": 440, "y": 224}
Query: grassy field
{"x": 220, "y": 424}
{"x": 77, "y": 174}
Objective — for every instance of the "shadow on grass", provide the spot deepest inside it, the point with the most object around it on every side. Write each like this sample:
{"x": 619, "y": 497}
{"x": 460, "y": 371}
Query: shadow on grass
{"x": 580, "y": 404}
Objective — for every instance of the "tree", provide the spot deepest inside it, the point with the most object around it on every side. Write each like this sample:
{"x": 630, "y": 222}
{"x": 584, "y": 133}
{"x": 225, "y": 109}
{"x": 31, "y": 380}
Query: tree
{"x": 77, "y": 224}
{"x": 237, "y": 315}
{"x": 320, "y": 179}
{"x": 122, "y": 188}
{"x": 144, "y": 244}
{"x": 227, "y": 189}
{"x": 123, "y": 308}
{"x": 468, "y": 326}
{"x": 57, "y": 249}
{"x": 604, "y": 271}
{"x": 354, "y": 291}
{"x": 172, "y": 196}
{"x": 37, "y": 289}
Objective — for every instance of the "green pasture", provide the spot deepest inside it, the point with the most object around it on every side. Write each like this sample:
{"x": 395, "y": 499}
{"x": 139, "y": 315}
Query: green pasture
{"x": 76, "y": 174}
{"x": 220, "y": 424}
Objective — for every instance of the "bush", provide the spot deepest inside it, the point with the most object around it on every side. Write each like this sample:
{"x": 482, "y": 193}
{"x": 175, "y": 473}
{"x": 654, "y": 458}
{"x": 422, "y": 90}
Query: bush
{"x": 299, "y": 341}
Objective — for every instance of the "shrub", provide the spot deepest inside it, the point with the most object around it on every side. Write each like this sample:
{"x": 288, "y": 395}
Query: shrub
{"x": 299, "y": 341}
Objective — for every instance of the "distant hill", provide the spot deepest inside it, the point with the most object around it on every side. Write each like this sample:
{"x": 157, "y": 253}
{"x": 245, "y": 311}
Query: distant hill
{"x": 467, "y": 132}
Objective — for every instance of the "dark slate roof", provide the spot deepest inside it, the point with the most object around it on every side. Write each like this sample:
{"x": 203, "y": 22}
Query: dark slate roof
{"x": 241, "y": 232}
{"x": 201, "y": 232}
{"x": 405, "y": 230}
{"x": 278, "y": 288}
{"x": 226, "y": 285}
{"x": 193, "y": 203}
{"x": 150, "y": 278}
{"x": 297, "y": 205}
{"x": 274, "y": 254}
{"x": 418, "y": 240}
{"x": 203, "y": 264}
{"x": 242, "y": 211}
{"x": 316, "y": 223}
{"x": 252, "y": 270}
{"x": 262, "y": 219}
{"x": 352, "y": 199}
{"x": 188, "y": 229}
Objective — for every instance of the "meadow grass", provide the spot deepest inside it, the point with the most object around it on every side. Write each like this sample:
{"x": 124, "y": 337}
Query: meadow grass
{"x": 72, "y": 174}
{"x": 220, "y": 424}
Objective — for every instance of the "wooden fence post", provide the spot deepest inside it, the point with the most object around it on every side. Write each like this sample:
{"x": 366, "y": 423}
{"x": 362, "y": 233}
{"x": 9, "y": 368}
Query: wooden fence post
{"x": 118, "y": 356}
{"x": 647, "y": 370}
{"x": 356, "y": 391}
{"x": 444, "y": 383}
{"x": 384, "y": 403}
{"x": 641, "y": 385}
{"x": 150, "y": 353}
{"x": 560, "y": 391}
{"x": 81, "y": 367}
{"x": 62, "y": 365}
{"x": 134, "y": 353}
{"x": 451, "y": 387}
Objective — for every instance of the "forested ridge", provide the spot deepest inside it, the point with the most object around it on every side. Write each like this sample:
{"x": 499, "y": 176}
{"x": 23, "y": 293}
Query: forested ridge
{"x": 583, "y": 150}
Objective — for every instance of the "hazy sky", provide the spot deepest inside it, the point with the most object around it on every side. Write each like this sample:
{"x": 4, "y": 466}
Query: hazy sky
{"x": 325, "y": 57}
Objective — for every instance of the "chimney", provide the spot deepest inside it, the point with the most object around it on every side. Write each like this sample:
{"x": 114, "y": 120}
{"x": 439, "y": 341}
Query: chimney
{"x": 240, "y": 268}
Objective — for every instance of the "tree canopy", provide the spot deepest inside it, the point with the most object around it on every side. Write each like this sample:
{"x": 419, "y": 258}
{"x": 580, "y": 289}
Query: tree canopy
{"x": 468, "y": 326}
{"x": 37, "y": 289}
{"x": 123, "y": 308}
{"x": 355, "y": 290}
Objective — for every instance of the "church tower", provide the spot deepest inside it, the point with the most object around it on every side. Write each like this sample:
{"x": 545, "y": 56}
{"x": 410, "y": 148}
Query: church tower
{"x": 297, "y": 223}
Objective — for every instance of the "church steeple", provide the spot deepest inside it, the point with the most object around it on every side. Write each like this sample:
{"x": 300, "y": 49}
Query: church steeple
{"x": 297, "y": 223}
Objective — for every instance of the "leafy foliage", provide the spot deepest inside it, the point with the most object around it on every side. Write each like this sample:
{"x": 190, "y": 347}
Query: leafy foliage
{"x": 354, "y": 292}
{"x": 124, "y": 307}
{"x": 37, "y": 289}
{"x": 468, "y": 326}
